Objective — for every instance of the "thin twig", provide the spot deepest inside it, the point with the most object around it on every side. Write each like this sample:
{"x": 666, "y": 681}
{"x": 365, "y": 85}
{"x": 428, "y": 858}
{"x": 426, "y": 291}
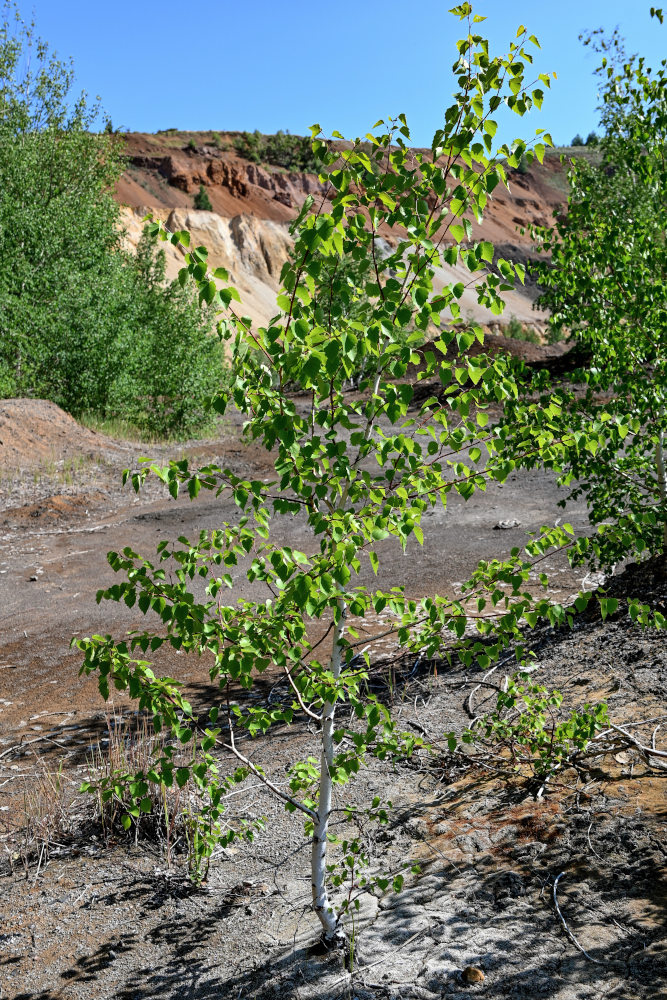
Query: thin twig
{"x": 468, "y": 701}
{"x": 647, "y": 751}
{"x": 403, "y": 944}
{"x": 541, "y": 790}
{"x": 308, "y": 711}
{"x": 266, "y": 781}
{"x": 39, "y": 864}
{"x": 588, "y": 838}
{"x": 567, "y": 929}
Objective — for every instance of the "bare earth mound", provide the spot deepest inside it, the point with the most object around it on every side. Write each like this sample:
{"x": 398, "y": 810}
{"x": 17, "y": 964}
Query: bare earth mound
{"x": 34, "y": 432}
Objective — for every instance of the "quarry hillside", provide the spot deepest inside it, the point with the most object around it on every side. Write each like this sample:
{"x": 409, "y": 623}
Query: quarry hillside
{"x": 252, "y": 203}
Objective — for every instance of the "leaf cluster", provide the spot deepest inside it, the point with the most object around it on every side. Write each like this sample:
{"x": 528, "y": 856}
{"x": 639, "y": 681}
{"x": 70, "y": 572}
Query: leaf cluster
{"x": 603, "y": 280}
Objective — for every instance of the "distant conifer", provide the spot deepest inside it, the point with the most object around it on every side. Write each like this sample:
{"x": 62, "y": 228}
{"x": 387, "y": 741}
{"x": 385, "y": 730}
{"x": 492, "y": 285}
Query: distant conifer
{"x": 202, "y": 200}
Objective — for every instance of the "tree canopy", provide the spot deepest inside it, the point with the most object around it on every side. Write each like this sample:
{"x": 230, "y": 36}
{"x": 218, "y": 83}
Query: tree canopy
{"x": 605, "y": 284}
{"x": 76, "y": 311}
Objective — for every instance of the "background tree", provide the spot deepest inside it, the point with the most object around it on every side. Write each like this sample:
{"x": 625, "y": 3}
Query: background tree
{"x": 73, "y": 305}
{"x": 605, "y": 284}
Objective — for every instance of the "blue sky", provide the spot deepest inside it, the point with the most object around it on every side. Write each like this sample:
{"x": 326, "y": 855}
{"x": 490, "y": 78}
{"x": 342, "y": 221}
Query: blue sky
{"x": 269, "y": 65}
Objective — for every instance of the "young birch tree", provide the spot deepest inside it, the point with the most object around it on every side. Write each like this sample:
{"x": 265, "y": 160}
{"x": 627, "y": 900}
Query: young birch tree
{"x": 356, "y": 468}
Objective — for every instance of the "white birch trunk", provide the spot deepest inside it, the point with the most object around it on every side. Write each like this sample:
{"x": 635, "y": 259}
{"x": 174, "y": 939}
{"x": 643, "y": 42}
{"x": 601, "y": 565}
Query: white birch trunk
{"x": 333, "y": 932}
{"x": 322, "y": 905}
{"x": 662, "y": 482}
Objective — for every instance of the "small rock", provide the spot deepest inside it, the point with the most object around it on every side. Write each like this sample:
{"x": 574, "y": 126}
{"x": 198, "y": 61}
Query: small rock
{"x": 506, "y": 525}
{"x": 472, "y": 975}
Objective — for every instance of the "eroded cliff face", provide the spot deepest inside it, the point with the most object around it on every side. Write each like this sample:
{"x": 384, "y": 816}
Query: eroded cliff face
{"x": 247, "y": 231}
{"x": 236, "y": 177}
{"x": 252, "y": 250}
{"x": 166, "y": 172}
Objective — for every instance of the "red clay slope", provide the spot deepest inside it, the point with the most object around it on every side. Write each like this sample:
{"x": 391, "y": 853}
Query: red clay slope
{"x": 165, "y": 171}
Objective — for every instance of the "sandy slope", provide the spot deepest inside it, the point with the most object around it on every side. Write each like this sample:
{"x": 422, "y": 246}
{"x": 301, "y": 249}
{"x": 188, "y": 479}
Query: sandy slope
{"x": 253, "y": 205}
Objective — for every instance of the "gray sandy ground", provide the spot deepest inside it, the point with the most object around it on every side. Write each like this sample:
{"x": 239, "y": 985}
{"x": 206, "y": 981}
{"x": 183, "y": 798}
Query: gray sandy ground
{"x": 112, "y": 921}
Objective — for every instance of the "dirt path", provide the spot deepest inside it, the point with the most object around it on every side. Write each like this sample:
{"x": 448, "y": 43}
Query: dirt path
{"x": 111, "y": 921}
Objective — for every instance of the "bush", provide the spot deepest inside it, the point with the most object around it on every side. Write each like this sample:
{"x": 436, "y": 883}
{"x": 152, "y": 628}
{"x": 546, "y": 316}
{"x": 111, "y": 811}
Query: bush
{"x": 292, "y": 152}
{"x": 162, "y": 377}
{"x": 517, "y": 331}
{"x": 202, "y": 200}
{"x": 249, "y": 145}
{"x": 523, "y": 165}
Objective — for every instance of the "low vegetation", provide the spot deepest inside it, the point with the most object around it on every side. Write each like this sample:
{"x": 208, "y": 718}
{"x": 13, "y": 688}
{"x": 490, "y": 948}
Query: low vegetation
{"x": 202, "y": 200}
{"x": 292, "y": 152}
{"x": 517, "y": 330}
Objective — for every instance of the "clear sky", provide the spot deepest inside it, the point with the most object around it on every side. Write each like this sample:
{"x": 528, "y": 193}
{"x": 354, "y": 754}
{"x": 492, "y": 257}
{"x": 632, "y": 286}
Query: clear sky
{"x": 230, "y": 64}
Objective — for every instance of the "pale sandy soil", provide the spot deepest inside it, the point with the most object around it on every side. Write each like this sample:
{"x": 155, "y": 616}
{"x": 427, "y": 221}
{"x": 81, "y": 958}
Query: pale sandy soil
{"x": 110, "y": 920}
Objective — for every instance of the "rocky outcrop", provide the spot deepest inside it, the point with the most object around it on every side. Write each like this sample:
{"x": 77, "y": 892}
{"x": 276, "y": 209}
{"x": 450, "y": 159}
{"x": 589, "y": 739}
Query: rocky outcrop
{"x": 244, "y": 245}
{"x": 247, "y": 231}
{"x": 239, "y": 177}
{"x": 228, "y": 175}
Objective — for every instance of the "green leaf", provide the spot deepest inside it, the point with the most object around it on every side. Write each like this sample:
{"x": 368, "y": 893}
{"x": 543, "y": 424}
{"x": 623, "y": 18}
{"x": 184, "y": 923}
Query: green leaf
{"x": 486, "y": 251}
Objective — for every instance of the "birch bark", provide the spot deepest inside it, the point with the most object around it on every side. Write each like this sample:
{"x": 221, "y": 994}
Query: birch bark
{"x": 321, "y": 903}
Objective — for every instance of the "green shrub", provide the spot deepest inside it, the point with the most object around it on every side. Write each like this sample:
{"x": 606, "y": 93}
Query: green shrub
{"x": 202, "y": 200}
{"x": 249, "y": 145}
{"x": 167, "y": 361}
{"x": 292, "y": 152}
